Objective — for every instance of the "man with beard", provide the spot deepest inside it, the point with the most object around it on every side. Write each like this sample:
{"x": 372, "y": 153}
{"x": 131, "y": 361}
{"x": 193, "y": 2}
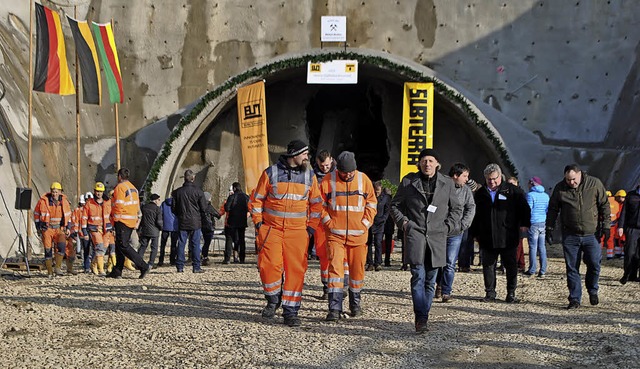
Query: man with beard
{"x": 285, "y": 210}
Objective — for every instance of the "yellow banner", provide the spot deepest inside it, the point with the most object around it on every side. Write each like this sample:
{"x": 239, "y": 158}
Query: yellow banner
{"x": 252, "y": 119}
{"x": 417, "y": 124}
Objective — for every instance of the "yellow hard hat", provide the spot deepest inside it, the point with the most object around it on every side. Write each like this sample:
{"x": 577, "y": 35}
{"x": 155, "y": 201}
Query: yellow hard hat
{"x": 56, "y": 186}
{"x": 99, "y": 187}
{"x": 621, "y": 193}
{"x": 609, "y": 194}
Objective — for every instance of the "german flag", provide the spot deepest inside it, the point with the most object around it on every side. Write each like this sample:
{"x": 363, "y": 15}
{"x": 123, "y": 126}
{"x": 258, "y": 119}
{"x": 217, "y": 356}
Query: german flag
{"x": 88, "y": 60}
{"x": 51, "y": 73}
{"x": 106, "y": 45}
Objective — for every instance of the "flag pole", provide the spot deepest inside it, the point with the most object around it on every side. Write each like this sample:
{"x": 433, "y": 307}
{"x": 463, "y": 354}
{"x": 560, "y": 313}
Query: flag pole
{"x": 30, "y": 117}
{"x": 78, "y": 184}
{"x": 115, "y": 114}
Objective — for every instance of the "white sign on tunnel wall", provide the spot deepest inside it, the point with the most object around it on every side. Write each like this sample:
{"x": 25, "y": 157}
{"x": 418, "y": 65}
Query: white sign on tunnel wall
{"x": 333, "y": 72}
{"x": 333, "y": 29}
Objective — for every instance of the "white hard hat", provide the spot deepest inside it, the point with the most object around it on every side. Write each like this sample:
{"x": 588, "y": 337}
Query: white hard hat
{"x": 88, "y": 195}
{"x": 82, "y": 199}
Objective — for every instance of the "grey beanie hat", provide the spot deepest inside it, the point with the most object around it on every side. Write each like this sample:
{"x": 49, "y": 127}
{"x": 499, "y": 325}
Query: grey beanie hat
{"x": 346, "y": 162}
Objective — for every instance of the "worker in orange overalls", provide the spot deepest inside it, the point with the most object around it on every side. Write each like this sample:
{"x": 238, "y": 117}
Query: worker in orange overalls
{"x": 96, "y": 224}
{"x": 125, "y": 217}
{"x": 53, "y": 220}
{"x": 80, "y": 237}
{"x": 349, "y": 206}
{"x": 285, "y": 210}
{"x": 619, "y": 240}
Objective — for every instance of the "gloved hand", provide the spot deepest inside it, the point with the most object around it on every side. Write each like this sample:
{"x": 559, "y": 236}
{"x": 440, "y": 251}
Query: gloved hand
{"x": 258, "y": 225}
{"x": 600, "y": 231}
{"x": 42, "y": 226}
{"x": 549, "y": 236}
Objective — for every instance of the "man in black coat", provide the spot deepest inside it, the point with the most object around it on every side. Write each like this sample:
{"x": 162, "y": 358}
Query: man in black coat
{"x": 189, "y": 206}
{"x": 150, "y": 227}
{"x": 208, "y": 227}
{"x": 376, "y": 232}
{"x": 502, "y": 212}
{"x": 427, "y": 208}
{"x": 236, "y": 208}
{"x": 629, "y": 226}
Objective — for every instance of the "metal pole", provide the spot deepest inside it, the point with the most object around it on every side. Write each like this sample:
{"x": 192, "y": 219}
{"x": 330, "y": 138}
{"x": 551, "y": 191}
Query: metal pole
{"x": 115, "y": 113}
{"x": 29, "y": 119}
{"x": 79, "y": 182}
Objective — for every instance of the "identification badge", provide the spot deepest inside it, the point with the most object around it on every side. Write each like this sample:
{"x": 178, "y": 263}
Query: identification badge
{"x": 501, "y": 197}
{"x": 432, "y": 209}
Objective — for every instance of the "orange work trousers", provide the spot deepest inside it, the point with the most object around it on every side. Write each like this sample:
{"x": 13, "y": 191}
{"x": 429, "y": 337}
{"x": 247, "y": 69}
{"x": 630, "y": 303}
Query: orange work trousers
{"x": 356, "y": 257}
{"x": 101, "y": 241}
{"x": 320, "y": 238}
{"x": 283, "y": 251}
{"x": 54, "y": 236}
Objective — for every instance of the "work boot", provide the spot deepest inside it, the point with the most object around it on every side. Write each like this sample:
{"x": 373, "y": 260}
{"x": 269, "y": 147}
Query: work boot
{"x": 356, "y": 311}
{"x": 333, "y": 316}
{"x": 49, "y": 265}
{"x": 70, "y": 267}
{"x": 438, "y": 293}
{"x": 94, "y": 265}
{"x": 269, "y": 311}
{"x": 58, "y": 266}
{"x": 292, "y": 321}
{"x": 421, "y": 326}
{"x": 100, "y": 266}
{"x": 128, "y": 265}
{"x": 111, "y": 262}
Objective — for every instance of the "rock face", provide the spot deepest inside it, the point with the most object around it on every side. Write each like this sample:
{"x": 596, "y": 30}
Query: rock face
{"x": 171, "y": 320}
{"x": 565, "y": 86}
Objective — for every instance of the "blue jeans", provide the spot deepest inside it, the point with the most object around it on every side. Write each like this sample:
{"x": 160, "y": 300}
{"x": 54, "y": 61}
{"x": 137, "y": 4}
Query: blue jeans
{"x": 537, "y": 247}
{"x": 194, "y": 244}
{"x": 449, "y": 270}
{"x": 423, "y": 287}
{"x": 576, "y": 248}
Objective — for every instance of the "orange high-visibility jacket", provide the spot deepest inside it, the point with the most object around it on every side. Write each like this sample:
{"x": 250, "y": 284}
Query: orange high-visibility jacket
{"x": 348, "y": 208}
{"x": 615, "y": 209}
{"x": 48, "y": 213}
{"x": 125, "y": 204}
{"x": 96, "y": 216}
{"x": 286, "y": 198}
{"x": 76, "y": 217}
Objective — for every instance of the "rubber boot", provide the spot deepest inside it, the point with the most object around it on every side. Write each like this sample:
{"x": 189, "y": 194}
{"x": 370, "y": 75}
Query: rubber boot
{"x": 111, "y": 262}
{"x": 48, "y": 263}
{"x": 95, "y": 265}
{"x": 70, "y": 267}
{"x": 100, "y": 266}
{"x": 58, "y": 265}
{"x": 354, "y": 303}
{"x": 128, "y": 265}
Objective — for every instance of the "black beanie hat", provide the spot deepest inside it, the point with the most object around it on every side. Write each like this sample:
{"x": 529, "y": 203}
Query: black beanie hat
{"x": 428, "y": 152}
{"x": 296, "y": 147}
{"x": 346, "y": 162}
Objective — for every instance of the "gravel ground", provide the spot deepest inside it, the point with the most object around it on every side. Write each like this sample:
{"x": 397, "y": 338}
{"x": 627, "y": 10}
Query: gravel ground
{"x": 171, "y": 320}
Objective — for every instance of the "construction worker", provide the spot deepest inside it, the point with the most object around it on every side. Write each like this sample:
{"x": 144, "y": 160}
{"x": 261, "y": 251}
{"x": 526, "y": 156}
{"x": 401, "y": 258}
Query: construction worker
{"x": 619, "y": 240}
{"x": 349, "y": 207}
{"x": 125, "y": 215}
{"x": 96, "y": 224}
{"x": 80, "y": 236}
{"x": 285, "y": 210}
{"x": 53, "y": 220}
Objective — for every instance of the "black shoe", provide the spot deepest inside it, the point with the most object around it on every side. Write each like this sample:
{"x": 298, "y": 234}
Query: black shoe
{"x": 488, "y": 298}
{"x": 593, "y": 299}
{"x": 269, "y": 311}
{"x": 528, "y": 273}
{"x": 573, "y": 304}
{"x": 370, "y": 268}
{"x": 438, "y": 293}
{"x": 333, "y": 316}
{"x": 378, "y": 268}
{"x": 446, "y": 298}
{"x": 180, "y": 271}
{"x": 624, "y": 280}
{"x": 144, "y": 272}
{"x": 356, "y": 312}
{"x": 236, "y": 261}
{"x": 114, "y": 274}
{"x": 205, "y": 261}
{"x": 421, "y": 326}
{"x": 198, "y": 271}
{"x": 511, "y": 299}
{"x": 292, "y": 321}
{"x": 225, "y": 261}
{"x": 387, "y": 264}
{"x": 160, "y": 263}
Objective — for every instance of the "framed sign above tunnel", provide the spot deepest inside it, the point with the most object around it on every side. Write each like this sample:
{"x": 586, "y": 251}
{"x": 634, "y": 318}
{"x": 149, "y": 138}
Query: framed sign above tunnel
{"x": 337, "y": 72}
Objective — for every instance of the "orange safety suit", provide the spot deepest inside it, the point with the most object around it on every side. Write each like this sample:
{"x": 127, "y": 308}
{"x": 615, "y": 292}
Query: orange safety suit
{"x": 348, "y": 212}
{"x": 608, "y": 239}
{"x": 285, "y": 207}
{"x": 125, "y": 205}
{"x": 96, "y": 222}
{"x": 53, "y": 220}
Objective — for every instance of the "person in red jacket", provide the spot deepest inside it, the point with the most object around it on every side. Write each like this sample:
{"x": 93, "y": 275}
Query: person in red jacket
{"x": 349, "y": 207}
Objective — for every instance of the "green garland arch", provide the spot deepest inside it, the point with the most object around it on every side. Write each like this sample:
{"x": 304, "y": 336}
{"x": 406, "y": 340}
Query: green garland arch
{"x": 302, "y": 61}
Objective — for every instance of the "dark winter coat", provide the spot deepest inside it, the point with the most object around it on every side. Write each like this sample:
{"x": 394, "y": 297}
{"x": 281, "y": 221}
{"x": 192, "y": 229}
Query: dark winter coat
{"x": 581, "y": 209}
{"x": 236, "y": 208}
{"x": 209, "y": 220}
{"x": 496, "y": 224}
{"x": 384, "y": 209}
{"x": 189, "y": 205}
{"x": 428, "y": 224}
{"x": 630, "y": 214}
{"x": 151, "y": 223}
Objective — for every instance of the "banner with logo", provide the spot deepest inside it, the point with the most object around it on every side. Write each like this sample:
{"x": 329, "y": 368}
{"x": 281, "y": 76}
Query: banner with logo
{"x": 252, "y": 120}
{"x": 417, "y": 124}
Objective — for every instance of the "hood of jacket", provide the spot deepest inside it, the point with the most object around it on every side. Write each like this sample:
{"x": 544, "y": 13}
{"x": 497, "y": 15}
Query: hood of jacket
{"x": 537, "y": 188}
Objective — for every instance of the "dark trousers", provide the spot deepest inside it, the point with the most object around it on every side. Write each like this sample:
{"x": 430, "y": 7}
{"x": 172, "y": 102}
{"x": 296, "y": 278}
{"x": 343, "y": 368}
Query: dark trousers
{"x": 388, "y": 241}
{"x": 144, "y": 242}
{"x": 489, "y": 259}
{"x": 374, "y": 251}
{"x": 207, "y": 238}
{"x": 124, "y": 249}
{"x": 234, "y": 237}
{"x": 465, "y": 256}
{"x": 631, "y": 252}
{"x": 86, "y": 253}
{"x": 174, "y": 246}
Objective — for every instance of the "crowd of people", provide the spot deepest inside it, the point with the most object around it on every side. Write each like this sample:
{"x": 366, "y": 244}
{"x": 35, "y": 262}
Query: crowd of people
{"x": 333, "y": 211}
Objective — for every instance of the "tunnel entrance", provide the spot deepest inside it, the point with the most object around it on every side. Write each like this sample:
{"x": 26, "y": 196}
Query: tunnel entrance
{"x": 349, "y": 118}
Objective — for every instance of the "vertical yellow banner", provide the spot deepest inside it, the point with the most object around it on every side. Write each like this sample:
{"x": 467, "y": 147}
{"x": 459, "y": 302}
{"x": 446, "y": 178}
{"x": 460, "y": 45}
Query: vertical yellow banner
{"x": 252, "y": 119}
{"x": 417, "y": 124}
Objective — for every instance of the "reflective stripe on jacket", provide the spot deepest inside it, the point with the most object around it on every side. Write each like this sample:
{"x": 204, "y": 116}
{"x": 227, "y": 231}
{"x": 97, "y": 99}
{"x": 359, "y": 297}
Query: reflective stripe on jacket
{"x": 125, "y": 204}
{"x": 286, "y": 198}
{"x": 348, "y": 207}
{"x": 96, "y": 216}
{"x": 53, "y": 214}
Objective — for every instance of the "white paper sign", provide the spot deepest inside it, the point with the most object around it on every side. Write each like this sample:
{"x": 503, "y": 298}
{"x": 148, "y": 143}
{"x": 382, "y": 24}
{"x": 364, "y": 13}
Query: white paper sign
{"x": 333, "y": 72}
{"x": 432, "y": 209}
{"x": 333, "y": 29}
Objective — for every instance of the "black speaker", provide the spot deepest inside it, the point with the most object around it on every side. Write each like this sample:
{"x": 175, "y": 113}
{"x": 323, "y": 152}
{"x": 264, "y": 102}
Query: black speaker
{"x": 23, "y": 198}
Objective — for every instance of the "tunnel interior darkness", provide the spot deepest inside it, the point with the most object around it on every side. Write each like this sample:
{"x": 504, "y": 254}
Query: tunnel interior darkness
{"x": 349, "y": 118}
